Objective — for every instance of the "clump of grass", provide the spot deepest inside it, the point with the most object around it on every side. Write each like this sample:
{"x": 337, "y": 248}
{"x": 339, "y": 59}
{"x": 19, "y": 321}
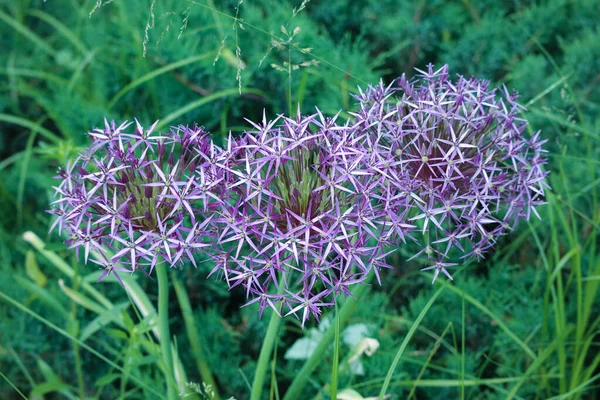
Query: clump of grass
{"x": 65, "y": 71}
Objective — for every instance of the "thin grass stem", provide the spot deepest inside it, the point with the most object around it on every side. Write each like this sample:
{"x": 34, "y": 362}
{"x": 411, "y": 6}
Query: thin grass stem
{"x": 409, "y": 335}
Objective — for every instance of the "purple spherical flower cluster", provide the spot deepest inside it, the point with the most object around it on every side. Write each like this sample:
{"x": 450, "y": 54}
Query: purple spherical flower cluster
{"x": 297, "y": 210}
{"x": 297, "y": 215}
{"x": 451, "y": 157}
{"x": 143, "y": 197}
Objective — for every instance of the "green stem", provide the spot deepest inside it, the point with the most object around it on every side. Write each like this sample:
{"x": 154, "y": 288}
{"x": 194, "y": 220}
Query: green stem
{"x": 265, "y": 354}
{"x": 163, "y": 326}
{"x": 75, "y": 322}
{"x": 299, "y": 383}
{"x": 336, "y": 354}
{"x": 336, "y": 348}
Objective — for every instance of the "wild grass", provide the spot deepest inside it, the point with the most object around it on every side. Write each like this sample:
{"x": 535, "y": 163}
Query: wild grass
{"x": 524, "y": 324}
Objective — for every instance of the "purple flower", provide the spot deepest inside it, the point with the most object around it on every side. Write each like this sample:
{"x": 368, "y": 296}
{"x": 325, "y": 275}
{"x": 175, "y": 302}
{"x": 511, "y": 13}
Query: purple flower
{"x": 297, "y": 215}
{"x": 296, "y": 211}
{"x": 451, "y": 157}
{"x": 143, "y": 196}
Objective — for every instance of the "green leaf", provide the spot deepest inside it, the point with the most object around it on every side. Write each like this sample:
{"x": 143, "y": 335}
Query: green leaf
{"x": 147, "y": 360}
{"x": 102, "y": 320}
{"x": 33, "y": 270}
{"x": 81, "y": 299}
{"x": 59, "y": 246}
{"x": 41, "y": 294}
{"x": 349, "y": 394}
{"x": 73, "y": 327}
{"x": 116, "y": 333}
{"x": 47, "y": 370}
{"x": 50, "y": 387}
{"x": 106, "y": 379}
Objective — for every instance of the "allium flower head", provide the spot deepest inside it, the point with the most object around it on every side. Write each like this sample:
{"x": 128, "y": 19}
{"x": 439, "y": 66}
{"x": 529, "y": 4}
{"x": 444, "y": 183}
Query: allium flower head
{"x": 142, "y": 195}
{"x": 297, "y": 216}
{"x": 454, "y": 155}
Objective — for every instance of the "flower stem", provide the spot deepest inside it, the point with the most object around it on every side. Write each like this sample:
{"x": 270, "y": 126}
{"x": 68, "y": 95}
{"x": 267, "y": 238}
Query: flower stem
{"x": 336, "y": 354}
{"x": 163, "y": 327}
{"x": 75, "y": 325}
{"x": 265, "y": 350}
{"x": 265, "y": 354}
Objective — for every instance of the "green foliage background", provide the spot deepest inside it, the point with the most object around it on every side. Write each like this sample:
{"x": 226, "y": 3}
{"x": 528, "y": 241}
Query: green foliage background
{"x": 67, "y": 64}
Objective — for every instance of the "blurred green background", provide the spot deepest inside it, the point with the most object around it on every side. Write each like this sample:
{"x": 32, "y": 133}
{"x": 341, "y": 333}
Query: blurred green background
{"x": 524, "y": 323}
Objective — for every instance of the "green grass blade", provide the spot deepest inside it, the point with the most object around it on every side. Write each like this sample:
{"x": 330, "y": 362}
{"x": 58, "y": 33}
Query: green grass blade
{"x": 81, "y": 299}
{"x": 298, "y": 386}
{"x": 576, "y": 390}
{"x": 157, "y": 72}
{"x": 493, "y": 316}
{"x": 61, "y": 28}
{"x": 13, "y": 119}
{"x": 32, "y": 73}
{"x": 549, "y": 89}
{"x": 27, "y": 33}
{"x": 85, "y": 61}
{"x": 38, "y": 317}
{"x": 192, "y": 333}
{"x": 409, "y": 335}
{"x": 12, "y": 385}
{"x": 42, "y": 294}
{"x": 563, "y": 261}
{"x": 564, "y": 122}
{"x": 535, "y": 365}
{"x": 10, "y": 160}
{"x": 165, "y": 121}
{"x": 102, "y": 320}
{"x": 24, "y": 169}
{"x": 21, "y": 366}
{"x": 63, "y": 267}
{"x": 432, "y": 352}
